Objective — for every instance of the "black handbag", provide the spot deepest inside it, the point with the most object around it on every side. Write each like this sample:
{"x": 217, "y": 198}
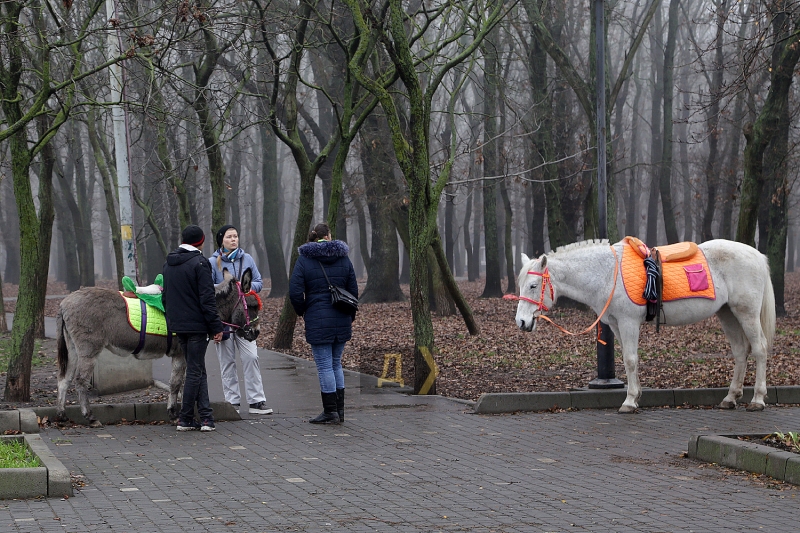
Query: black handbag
{"x": 341, "y": 299}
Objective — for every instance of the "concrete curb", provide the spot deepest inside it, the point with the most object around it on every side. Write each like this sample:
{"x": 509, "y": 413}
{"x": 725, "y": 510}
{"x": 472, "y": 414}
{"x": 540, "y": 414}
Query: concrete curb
{"x": 51, "y": 480}
{"x": 22, "y": 420}
{"x": 130, "y": 412}
{"x": 748, "y": 456}
{"x": 497, "y": 403}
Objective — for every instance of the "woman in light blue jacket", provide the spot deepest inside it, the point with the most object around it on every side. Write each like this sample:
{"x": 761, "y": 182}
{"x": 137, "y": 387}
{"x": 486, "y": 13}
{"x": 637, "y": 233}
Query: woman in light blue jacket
{"x": 230, "y": 257}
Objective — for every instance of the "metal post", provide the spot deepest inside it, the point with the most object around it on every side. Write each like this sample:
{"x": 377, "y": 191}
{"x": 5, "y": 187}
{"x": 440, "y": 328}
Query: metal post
{"x": 121, "y": 149}
{"x": 606, "y": 376}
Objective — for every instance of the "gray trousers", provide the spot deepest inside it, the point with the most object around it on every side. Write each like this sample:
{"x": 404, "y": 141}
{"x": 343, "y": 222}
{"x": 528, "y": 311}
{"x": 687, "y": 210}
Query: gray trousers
{"x": 248, "y": 353}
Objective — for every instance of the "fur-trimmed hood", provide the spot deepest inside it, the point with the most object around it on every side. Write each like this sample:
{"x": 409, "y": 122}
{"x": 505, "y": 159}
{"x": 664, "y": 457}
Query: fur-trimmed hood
{"x": 324, "y": 250}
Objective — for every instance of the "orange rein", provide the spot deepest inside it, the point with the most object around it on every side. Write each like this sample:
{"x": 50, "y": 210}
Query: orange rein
{"x": 546, "y": 280}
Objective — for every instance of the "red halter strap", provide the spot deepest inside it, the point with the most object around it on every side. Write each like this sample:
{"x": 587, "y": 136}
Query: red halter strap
{"x": 545, "y": 283}
{"x": 243, "y": 301}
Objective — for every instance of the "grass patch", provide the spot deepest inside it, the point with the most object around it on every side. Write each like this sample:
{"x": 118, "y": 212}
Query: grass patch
{"x": 14, "y": 454}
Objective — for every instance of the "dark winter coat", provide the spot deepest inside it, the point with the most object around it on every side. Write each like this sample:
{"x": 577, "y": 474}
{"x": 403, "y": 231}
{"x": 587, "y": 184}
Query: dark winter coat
{"x": 188, "y": 296}
{"x": 311, "y": 297}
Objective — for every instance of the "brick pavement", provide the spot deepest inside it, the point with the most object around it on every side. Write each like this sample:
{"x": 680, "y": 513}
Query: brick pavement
{"x": 409, "y": 464}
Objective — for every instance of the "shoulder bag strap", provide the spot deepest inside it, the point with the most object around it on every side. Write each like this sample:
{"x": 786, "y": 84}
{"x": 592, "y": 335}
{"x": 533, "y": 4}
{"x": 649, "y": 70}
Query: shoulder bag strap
{"x": 325, "y": 273}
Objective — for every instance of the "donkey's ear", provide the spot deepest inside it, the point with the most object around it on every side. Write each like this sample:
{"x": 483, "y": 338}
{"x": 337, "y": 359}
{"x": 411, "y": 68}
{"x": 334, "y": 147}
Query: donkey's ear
{"x": 543, "y": 259}
{"x": 525, "y": 259}
{"x": 247, "y": 279}
{"x": 226, "y": 274}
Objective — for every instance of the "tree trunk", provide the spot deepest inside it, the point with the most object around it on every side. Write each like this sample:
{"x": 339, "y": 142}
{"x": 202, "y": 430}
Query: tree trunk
{"x": 10, "y": 236}
{"x": 284, "y": 332}
{"x": 633, "y": 207}
{"x": 544, "y": 146}
{"x": 656, "y": 143}
{"x": 665, "y": 174}
{"x": 712, "y": 165}
{"x": 778, "y": 208}
{"x": 108, "y": 175}
{"x": 66, "y": 226}
{"x": 767, "y": 125}
{"x": 507, "y": 242}
{"x": 383, "y": 196}
{"x": 84, "y": 191}
{"x": 472, "y": 268}
{"x": 731, "y": 180}
{"x": 492, "y": 288}
{"x": 279, "y": 280}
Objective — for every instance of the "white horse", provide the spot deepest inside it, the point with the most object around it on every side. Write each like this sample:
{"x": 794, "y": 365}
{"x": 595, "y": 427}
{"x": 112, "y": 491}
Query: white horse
{"x": 744, "y": 304}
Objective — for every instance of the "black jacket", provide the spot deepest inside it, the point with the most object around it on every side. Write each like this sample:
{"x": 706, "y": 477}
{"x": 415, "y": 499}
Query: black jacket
{"x": 188, "y": 296}
{"x": 311, "y": 297}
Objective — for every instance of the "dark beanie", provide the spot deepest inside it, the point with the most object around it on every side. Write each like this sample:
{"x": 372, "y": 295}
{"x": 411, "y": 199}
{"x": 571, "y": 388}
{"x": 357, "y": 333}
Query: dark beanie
{"x": 221, "y": 233}
{"x": 193, "y": 235}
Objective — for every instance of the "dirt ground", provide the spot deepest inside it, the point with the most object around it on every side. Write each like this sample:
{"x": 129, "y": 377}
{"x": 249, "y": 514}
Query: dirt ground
{"x": 500, "y": 359}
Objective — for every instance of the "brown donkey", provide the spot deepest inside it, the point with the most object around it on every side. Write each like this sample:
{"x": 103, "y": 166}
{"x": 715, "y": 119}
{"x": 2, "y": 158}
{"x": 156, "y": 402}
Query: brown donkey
{"x": 92, "y": 319}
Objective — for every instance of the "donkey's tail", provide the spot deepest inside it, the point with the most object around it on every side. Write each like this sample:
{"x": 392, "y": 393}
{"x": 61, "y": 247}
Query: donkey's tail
{"x": 768, "y": 309}
{"x": 63, "y": 352}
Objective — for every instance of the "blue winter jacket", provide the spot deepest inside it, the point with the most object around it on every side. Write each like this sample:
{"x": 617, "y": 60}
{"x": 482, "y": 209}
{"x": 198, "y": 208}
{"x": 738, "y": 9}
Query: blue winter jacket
{"x": 236, "y": 268}
{"x": 310, "y": 296}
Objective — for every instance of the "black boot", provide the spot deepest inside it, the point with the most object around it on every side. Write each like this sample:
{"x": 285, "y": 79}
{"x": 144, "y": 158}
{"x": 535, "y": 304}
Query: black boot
{"x": 329, "y": 414}
{"x": 340, "y": 403}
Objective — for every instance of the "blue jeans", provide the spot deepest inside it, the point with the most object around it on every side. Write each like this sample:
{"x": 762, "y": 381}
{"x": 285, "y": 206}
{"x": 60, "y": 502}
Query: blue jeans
{"x": 328, "y": 358}
{"x": 195, "y": 388}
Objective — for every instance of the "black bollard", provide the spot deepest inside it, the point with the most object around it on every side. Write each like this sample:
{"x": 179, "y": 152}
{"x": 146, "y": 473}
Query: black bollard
{"x": 606, "y": 374}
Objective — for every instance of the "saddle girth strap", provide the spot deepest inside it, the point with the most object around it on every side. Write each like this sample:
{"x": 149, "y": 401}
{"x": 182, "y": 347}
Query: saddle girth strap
{"x": 143, "y": 331}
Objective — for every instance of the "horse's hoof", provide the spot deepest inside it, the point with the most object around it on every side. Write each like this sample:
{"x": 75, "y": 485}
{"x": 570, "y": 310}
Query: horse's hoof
{"x": 95, "y": 424}
{"x": 627, "y": 410}
{"x": 753, "y": 407}
{"x": 727, "y": 404}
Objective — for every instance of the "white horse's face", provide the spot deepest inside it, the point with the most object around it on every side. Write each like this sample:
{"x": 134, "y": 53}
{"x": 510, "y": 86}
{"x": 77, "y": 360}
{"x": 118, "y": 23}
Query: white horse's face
{"x": 533, "y": 301}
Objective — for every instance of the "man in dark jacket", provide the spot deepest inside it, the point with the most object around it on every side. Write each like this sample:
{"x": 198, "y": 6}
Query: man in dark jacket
{"x": 191, "y": 311}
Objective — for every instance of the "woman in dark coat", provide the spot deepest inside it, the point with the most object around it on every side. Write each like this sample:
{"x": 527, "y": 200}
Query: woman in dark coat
{"x": 327, "y": 329}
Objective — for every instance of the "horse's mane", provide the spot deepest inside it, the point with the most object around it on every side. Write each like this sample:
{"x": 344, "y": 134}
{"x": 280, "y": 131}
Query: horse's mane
{"x": 582, "y": 244}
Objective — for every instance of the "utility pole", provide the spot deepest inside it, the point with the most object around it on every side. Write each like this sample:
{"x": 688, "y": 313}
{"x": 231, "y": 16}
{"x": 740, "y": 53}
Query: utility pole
{"x": 119, "y": 122}
{"x": 606, "y": 376}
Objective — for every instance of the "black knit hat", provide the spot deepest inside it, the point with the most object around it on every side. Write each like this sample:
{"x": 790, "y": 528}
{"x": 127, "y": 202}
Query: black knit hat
{"x": 221, "y": 233}
{"x": 193, "y": 235}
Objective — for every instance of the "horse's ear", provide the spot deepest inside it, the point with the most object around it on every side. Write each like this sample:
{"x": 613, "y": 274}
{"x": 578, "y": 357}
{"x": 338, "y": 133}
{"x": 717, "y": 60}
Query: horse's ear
{"x": 543, "y": 259}
{"x": 525, "y": 258}
{"x": 247, "y": 279}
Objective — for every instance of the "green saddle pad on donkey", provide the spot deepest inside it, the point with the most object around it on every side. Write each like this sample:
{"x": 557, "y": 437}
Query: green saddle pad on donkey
{"x": 151, "y": 294}
{"x": 156, "y": 322}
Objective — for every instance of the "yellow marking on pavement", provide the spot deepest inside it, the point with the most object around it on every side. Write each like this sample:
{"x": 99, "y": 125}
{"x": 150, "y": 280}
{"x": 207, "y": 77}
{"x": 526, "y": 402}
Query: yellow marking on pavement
{"x": 398, "y": 369}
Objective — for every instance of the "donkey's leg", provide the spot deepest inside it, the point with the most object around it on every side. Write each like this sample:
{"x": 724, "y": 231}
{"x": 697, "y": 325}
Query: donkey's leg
{"x": 740, "y": 347}
{"x": 83, "y": 377}
{"x": 176, "y": 380}
{"x": 65, "y": 381}
{"x": 628, "y": 334}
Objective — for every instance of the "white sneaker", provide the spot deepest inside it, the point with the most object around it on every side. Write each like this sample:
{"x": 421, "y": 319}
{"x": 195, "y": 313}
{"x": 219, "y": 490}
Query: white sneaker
{"x": 260, "y": 408}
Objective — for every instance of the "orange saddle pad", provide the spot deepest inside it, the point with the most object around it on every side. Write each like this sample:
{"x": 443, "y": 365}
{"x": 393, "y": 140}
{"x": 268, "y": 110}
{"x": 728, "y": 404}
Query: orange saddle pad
{"x": 684, "y": 270}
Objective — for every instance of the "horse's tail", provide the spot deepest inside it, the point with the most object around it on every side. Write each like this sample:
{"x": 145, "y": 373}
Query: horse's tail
{"x": 63, "y": 352}
{"x": 768, "y": 309}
